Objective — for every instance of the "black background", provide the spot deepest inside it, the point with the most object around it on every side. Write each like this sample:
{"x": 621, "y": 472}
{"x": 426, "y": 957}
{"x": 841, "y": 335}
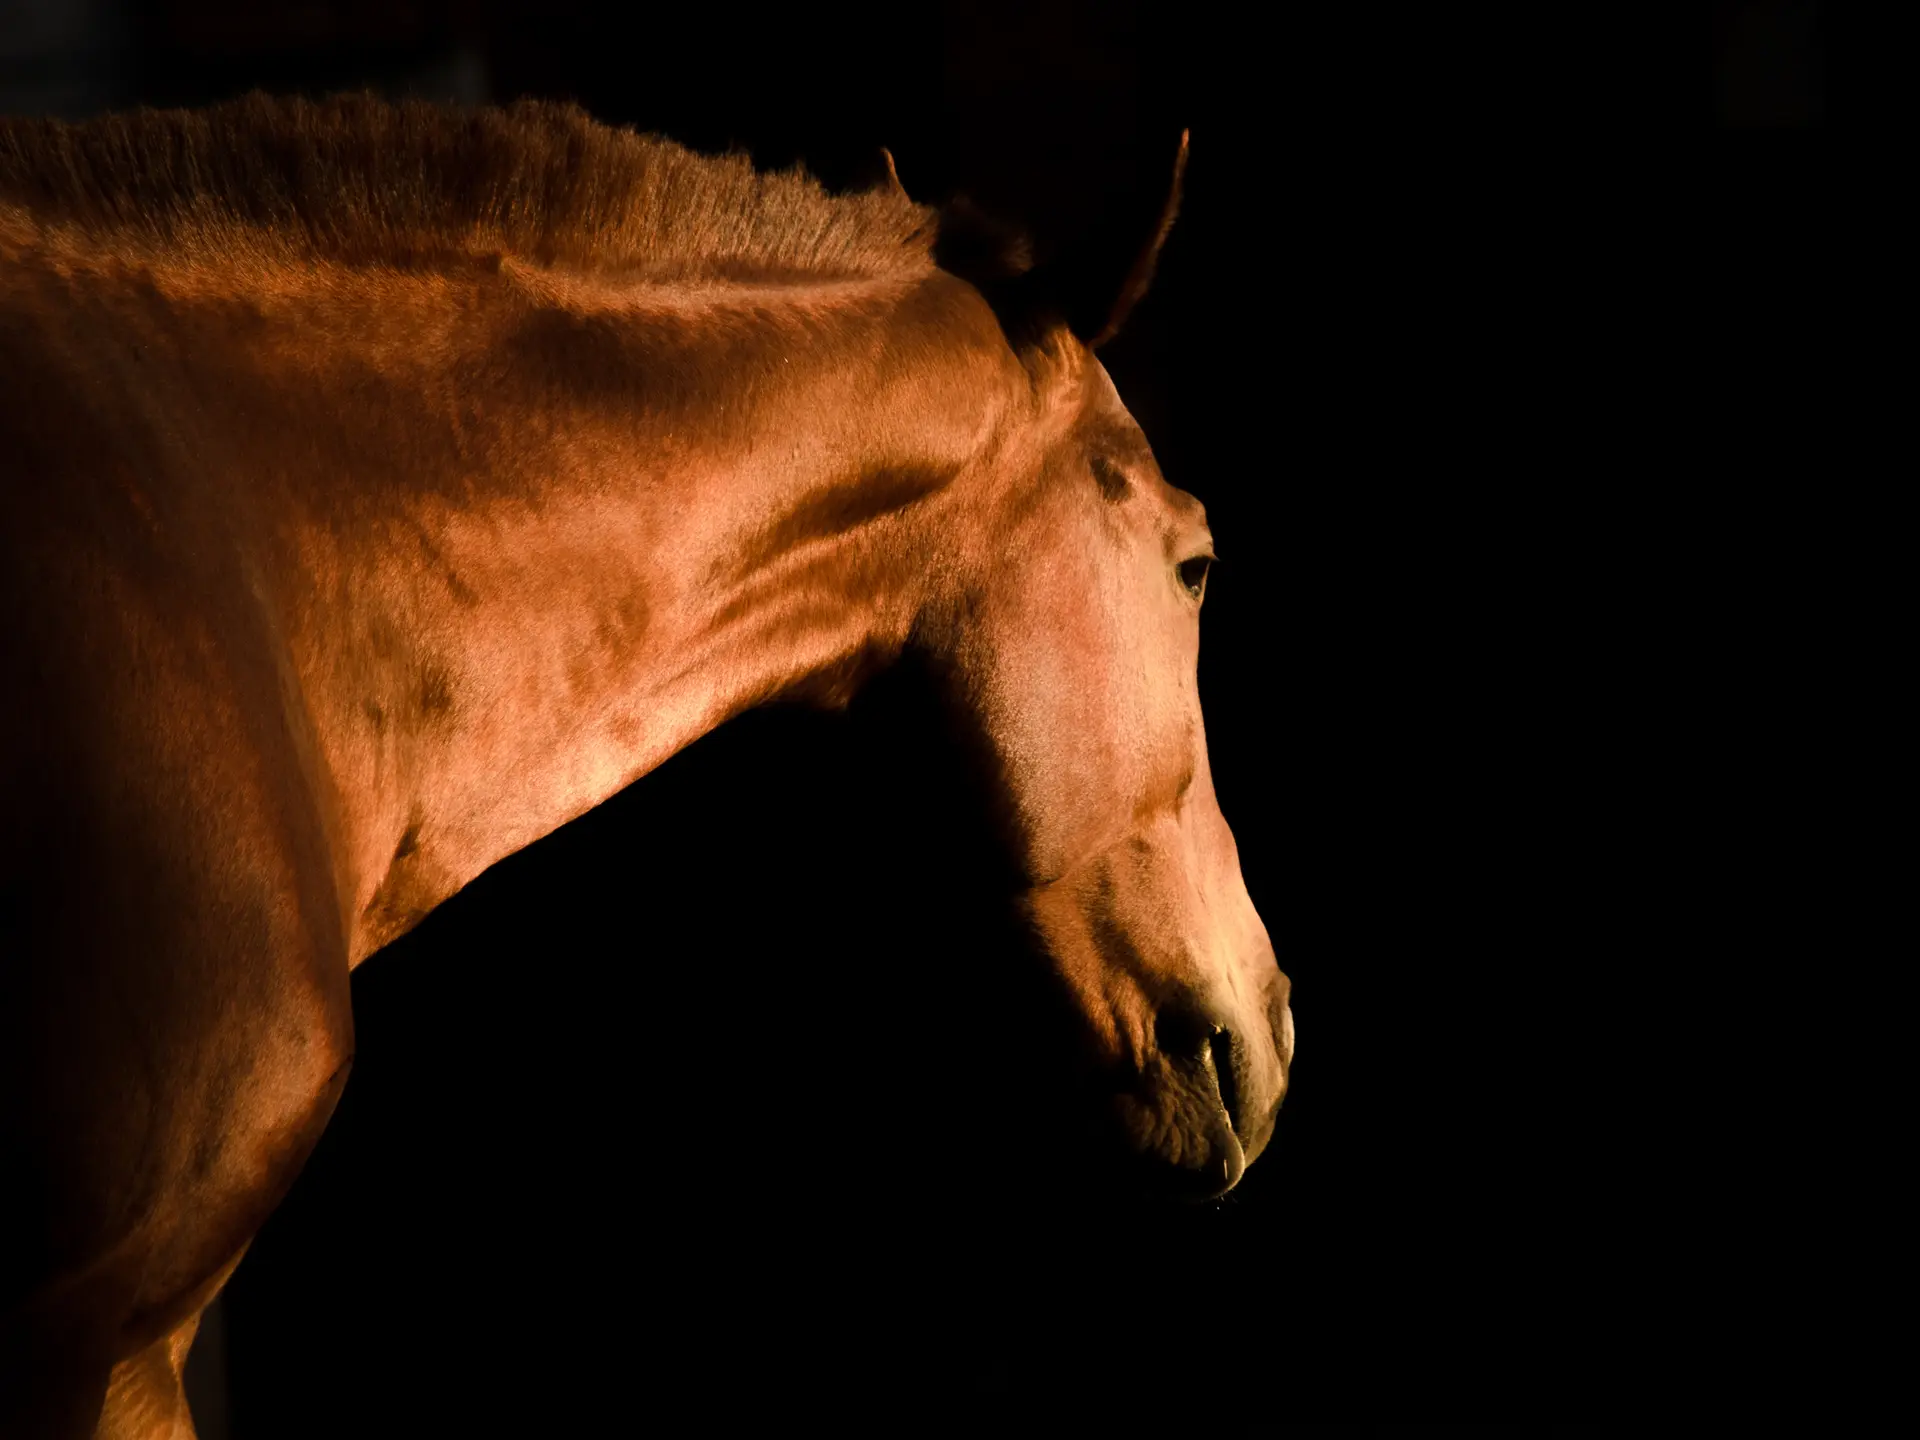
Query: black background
{"x": 1482, "y": 346}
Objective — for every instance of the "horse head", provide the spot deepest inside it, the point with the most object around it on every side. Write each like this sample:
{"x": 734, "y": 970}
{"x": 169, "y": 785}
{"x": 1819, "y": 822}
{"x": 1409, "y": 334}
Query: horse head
{"x": 1072, "y": 643}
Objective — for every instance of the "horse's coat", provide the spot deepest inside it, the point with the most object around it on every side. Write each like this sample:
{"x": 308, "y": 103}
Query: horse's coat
{"x": 383, "y": 487}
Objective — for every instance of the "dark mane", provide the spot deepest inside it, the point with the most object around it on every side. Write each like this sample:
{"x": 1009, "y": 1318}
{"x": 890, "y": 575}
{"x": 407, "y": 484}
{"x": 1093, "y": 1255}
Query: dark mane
{"x": 362, "y": 181}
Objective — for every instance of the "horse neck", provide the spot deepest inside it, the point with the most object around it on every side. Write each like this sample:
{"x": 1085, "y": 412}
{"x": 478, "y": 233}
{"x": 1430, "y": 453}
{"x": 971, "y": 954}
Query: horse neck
{"x": 579, "y": 531}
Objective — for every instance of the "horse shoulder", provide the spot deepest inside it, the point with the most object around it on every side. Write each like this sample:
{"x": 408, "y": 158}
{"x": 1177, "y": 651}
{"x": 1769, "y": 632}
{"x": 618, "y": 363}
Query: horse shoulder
{"x": 174, "y": 1019}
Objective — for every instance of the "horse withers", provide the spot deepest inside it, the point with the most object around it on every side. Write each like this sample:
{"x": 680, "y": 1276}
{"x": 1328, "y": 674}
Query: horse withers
{"x": 386, "y": 486}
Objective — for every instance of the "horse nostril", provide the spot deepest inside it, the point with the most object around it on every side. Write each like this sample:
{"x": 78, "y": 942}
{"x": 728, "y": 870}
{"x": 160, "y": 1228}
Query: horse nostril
{"x": 1189, "y": 1037}
{"x": 1182, "y": 1033}
{"x": 1220, "y": 1044}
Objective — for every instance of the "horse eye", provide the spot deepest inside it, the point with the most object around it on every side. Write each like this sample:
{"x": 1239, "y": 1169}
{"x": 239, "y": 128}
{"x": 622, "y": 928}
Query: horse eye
{"x": 1193, "y": 574}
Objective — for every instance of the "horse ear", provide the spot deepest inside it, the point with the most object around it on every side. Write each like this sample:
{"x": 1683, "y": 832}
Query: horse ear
{"x": 1095, "y": 288}
{"x": 893, "y": 175}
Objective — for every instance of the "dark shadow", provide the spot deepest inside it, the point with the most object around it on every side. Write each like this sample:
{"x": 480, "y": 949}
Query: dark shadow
{"x": 749, "y": 1071}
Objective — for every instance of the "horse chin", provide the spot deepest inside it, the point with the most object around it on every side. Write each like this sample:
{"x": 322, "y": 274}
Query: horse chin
{"x": 1121, "y": 1153}
{"x": 1197, "y": 1159}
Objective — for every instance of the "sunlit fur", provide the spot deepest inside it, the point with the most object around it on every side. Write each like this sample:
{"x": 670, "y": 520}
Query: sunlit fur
{"x": 362, "y": 521}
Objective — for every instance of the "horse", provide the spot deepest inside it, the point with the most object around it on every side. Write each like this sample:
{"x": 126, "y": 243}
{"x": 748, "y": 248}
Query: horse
{"x": 387, "y": 485}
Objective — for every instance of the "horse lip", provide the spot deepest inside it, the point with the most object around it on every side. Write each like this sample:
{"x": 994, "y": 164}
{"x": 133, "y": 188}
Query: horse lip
{"x": 1231, "y": 1160}
{"x": 1225, "y": 1165}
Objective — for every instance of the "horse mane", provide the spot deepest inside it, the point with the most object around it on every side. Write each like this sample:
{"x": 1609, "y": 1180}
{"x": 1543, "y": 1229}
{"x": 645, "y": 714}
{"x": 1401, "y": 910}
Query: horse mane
{"x": 359, "y": 180}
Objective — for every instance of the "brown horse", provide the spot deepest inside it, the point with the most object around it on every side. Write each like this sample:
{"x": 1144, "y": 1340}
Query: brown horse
{"x": 384, "y": 487}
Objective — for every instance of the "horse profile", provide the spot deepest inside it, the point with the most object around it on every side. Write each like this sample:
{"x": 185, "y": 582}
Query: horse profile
{"x": 381, "y": 488}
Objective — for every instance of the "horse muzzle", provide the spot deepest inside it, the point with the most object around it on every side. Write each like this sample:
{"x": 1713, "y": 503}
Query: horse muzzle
{"x": 1205, "y": 1109}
